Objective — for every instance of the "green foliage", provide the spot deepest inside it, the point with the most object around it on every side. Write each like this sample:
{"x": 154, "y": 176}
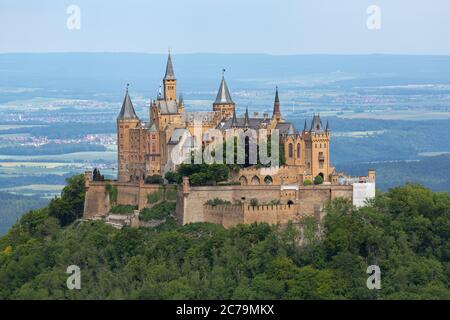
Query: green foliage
{"x": 217, "y": 201}
{"x": 404, "y": 231}
{"x": 204, "y": 174}
{"x": 307, "y": 182}
{"x": 123, "y": 209}
{"x": 70, "y": 205}
{"x": 171, "y": 194}
{"x": 254, "y": 202}
{"x": 112, "y": 191}
{"x": 156, "y": 196}
{"x": 159, "y": 211}
{"x": 154, "y": 179}
{"x": 173, "y": 177}
{"x": 318, "y": 180}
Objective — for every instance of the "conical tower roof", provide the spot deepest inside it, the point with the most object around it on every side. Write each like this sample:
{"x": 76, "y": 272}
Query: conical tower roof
{"x": 223, "y": 95}
{"x": 276, "y": 103}
{"x": 316, "y": 124}
{"x": 127, "y": 111}
{"x": 170, "y": 74}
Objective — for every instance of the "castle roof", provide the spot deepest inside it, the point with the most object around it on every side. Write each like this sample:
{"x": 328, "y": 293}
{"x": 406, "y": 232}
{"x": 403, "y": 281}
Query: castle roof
{"x": 170, "y": 74}
{"x": 167, "y": 107}
{"x": 205, "y": 116}
{"x": 316, "y": 125}
{"x": 245, "y": 122}
{"x": 127, "y": 111}
{"x": 177, "y": 134}
{"x": 223, "y": 95}
{"x": 234, "y": 119}
{"x": 285, "y": 128}
{"x": 246, "y": 118}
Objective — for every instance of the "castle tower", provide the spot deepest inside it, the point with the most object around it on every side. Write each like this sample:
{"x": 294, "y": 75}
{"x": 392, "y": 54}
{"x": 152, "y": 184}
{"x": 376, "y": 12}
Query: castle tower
{"x": 319, "y": 145}
{"x": 170, "y": 82}
{"x": 276, "y": 115}
{"x": 224, "y": 105}
{"x": 126, "y": 120}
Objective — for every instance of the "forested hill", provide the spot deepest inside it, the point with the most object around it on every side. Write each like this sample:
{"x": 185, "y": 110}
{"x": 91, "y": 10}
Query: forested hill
{"x": 404, "y": 231}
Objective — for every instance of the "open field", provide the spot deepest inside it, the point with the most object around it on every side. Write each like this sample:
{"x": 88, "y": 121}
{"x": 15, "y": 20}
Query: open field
{"x": 69, "y": 157}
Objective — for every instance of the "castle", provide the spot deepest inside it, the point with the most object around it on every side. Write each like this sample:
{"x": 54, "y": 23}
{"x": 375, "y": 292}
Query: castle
{"x": 147, "y": 150}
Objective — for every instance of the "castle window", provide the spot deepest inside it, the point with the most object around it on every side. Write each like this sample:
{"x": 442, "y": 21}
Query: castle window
{"x": 298, "y": 150}
{"x": 325, "y": 145}
{"x": 291, "y": 151}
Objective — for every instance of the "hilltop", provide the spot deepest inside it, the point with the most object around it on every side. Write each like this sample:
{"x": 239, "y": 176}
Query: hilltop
{"x": 405, "y": 231}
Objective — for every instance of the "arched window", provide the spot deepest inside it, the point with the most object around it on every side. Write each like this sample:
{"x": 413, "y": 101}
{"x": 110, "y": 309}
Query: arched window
{"x": 268, "y": 180}
{"x": 298, "y": 150}
{"x": 291, "y": 151}
{"x": 255, "y": 180}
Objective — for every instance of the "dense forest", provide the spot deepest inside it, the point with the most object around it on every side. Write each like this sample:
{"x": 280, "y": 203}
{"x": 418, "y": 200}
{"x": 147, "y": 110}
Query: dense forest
{"x": 404, "y": 231}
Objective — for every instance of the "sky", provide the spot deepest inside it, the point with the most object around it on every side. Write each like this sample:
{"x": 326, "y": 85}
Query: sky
{"x": 227, "y": 26}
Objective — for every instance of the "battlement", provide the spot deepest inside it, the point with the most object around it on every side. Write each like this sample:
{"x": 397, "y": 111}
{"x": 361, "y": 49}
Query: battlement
{"x": 229, "y": 215}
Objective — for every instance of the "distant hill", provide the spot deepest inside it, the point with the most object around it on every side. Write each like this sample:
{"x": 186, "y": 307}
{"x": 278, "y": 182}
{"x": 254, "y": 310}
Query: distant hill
{"x": 432, "y": 172}
{"x": 93, "y": 73}
{"x": 13, "y": 206}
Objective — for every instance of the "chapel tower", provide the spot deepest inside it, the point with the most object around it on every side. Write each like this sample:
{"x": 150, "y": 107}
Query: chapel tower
{"x": 170, "y": 82}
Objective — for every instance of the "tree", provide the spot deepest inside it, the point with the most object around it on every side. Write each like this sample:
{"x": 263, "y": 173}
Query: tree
{"x": 70, "y": 205}
{"x": 318, "y": 180}
{"x": 172, "y": 177}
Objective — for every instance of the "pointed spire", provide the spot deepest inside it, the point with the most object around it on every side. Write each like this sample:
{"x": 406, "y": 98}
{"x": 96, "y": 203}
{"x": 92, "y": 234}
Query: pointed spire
{"x": 246, "y": 118}
{"x": 223, "y": 95}
{"x": 327, "y": 128}
{"x": 276, "y": 104}
{"x": 305, "y": 128}
{"x": 234, "y": 123}
{"x": 127, "y": 111}
{"x": 170, "y": 75}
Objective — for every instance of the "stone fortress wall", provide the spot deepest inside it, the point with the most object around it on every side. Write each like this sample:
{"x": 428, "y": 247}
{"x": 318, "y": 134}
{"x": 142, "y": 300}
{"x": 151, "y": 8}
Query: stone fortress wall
{"x": 97, "y": 201}
{"x": 294, "y": 201}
